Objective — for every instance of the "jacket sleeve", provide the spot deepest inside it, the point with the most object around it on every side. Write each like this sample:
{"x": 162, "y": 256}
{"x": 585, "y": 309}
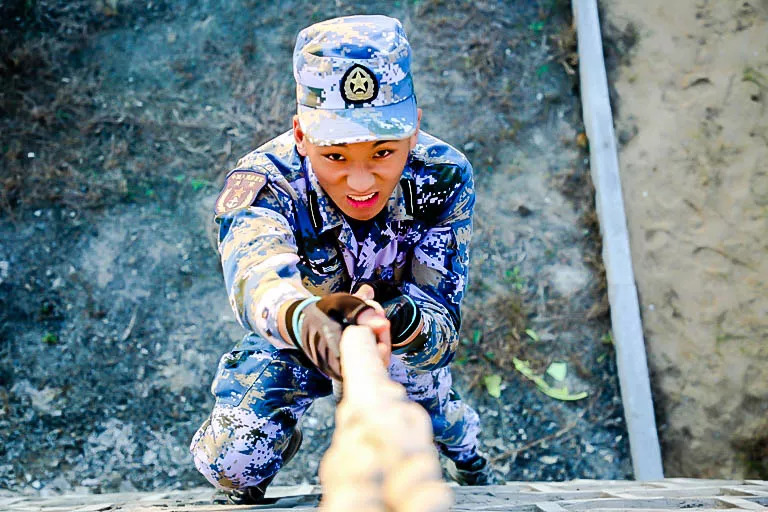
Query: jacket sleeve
{"x": 439, "y": 270}
{"x": 259, "y": 257}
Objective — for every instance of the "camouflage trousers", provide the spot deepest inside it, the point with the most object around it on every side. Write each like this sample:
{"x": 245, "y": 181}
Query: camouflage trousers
{"x": 262, "y": 392}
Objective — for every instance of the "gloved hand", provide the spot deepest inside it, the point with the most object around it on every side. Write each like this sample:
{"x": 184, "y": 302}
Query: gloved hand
{"x": 403, "y": 314}
{"x": 315, "y": 325}
{"x": 406, "y": 324}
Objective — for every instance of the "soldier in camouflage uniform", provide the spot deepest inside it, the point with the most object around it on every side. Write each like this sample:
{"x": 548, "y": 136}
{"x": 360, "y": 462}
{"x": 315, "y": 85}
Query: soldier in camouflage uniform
{"x": 354, "y": 216}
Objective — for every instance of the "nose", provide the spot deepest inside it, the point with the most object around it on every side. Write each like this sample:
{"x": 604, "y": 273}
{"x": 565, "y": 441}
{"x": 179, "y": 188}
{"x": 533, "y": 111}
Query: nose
{"x": 360, "y": 180}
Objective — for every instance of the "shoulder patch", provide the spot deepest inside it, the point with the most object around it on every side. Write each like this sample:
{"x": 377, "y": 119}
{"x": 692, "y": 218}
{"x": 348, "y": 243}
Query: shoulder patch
{"x": 239, "y": 191}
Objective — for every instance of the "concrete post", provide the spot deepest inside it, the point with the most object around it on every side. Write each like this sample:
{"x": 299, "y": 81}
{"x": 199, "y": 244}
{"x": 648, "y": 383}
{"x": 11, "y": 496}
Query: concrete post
{"x": 622, "y": 293}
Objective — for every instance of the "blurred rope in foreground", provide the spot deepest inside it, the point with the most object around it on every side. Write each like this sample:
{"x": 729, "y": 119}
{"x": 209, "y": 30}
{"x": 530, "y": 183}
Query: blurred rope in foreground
{"x": 382, "y": 457}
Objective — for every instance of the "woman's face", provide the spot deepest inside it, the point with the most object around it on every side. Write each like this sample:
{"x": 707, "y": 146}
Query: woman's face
{"x": 359, "y": 177}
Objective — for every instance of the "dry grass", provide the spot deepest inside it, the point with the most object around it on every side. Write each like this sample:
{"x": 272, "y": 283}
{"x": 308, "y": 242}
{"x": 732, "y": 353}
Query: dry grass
{"x": 65, "y": 141}
{"x": 39, "y": 102}
{"x": 492, "y": 336}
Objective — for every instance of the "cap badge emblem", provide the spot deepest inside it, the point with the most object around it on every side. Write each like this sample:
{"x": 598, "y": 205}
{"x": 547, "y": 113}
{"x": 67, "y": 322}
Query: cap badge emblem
{"x": 359, "y": 85}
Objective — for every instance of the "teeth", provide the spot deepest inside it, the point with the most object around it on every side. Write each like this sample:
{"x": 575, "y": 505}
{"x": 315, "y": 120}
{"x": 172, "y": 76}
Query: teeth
{"x": 362, "y": 198}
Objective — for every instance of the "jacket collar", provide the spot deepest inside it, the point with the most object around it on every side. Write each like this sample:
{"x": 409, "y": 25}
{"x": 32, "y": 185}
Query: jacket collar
{"x": 323, "y": 213}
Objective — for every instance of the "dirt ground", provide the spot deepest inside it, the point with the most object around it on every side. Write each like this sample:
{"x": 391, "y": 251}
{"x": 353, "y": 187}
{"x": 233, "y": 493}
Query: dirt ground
{"x": 691, "y": 106}
{"x": 116, "y": 121}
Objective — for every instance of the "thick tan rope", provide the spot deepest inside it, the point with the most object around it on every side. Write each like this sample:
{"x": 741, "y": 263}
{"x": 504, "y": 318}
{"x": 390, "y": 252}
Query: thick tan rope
{"x": 382, "y": 457}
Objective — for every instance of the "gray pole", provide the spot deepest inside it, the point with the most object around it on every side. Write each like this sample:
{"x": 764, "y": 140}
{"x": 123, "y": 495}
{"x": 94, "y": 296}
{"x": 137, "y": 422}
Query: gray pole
{"x": 622, "y": 293}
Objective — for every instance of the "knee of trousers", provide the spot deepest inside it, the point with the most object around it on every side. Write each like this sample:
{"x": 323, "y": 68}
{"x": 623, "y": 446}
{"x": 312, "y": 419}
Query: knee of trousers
{"x": 236, "y": 448}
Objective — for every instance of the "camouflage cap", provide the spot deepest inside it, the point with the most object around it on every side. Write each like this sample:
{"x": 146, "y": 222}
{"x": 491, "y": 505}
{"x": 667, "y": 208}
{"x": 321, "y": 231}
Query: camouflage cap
{"x": 353, "y": 81}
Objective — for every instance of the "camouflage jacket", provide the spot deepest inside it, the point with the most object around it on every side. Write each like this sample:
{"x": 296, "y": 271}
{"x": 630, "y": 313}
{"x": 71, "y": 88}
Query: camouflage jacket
{"x": 290, "y": 241}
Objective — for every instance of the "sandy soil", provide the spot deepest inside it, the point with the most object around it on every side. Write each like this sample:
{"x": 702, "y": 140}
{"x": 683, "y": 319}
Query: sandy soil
{"x": 112, "y": 310}
{"x": 692, "y": 117}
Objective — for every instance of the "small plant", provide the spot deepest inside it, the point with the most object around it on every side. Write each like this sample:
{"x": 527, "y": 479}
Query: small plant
{"x": 513, "y": 278}
{"x": 756, "y": 77}
{"x": 50, "y": 338}
{"x": 46, "y": 309}
{"x": 198, "y": 184}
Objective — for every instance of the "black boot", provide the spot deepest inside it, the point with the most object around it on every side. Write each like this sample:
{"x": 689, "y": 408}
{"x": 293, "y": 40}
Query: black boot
{"x": 476, "y": 471}
{"x": 255, "y": 494}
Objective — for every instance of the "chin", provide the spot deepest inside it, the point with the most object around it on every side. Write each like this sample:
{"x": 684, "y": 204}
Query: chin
{"x": 361, "y": 216}
{"x": 365, "y": 214}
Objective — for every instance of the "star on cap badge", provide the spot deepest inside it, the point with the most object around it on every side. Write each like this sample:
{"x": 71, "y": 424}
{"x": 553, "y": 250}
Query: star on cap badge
{"x": 359, "y": 85}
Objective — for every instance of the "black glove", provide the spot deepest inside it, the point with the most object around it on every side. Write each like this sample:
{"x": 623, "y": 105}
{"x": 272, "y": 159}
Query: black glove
{"x": 403, "y": 314}
{"x": 315, "y": 326}
{"x": 405, "y": 324}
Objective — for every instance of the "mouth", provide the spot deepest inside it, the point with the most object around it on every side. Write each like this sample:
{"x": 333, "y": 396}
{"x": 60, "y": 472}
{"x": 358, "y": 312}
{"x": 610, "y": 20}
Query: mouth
{"x": 365, "y": 201}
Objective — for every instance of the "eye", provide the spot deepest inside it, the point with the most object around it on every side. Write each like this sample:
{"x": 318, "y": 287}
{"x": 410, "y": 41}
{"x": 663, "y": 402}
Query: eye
{"x": 334, "y": 157}
{"x": 382, "y": 153}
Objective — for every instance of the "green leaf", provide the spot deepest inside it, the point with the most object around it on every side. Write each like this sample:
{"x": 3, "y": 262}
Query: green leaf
{"x": 50, "y": 338}
{"x": 198, "y": 184}
{"x": 524, "y": 367}
{"x": 532, "y": 334}
{"x": 476, "y": 336}
{"x": 558, "y": 371}
{"x": 493, "y": 385}
{"x": 563, "y": 394}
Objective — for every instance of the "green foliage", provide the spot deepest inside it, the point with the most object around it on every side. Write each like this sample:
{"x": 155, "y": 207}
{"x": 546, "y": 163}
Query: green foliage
{"x": 195, "y": 183}
{"x": 513, "y": 278}
{"x": 561, "y": 393}
{"x": 558, "y": 371}
{"x": 532, "y": 334}
{"x": 50, "y": 338}
{"x": 493, "y": 385}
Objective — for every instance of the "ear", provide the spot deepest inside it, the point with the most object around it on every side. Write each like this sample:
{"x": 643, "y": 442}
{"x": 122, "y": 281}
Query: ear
{"x": 415, "y": 137}
{"x": 298, "y": 137}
